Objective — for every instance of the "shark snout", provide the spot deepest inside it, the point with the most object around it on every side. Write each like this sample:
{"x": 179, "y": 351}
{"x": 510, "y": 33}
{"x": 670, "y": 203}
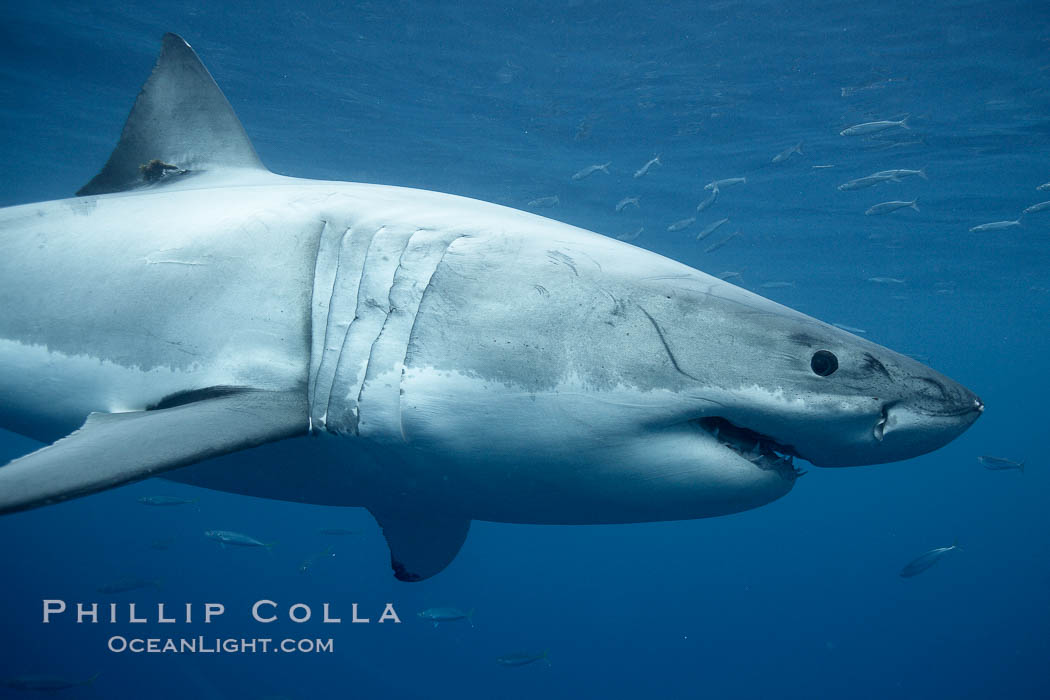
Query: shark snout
{"x": 938, "y": 395}
{"x": 938, "y": 414}
{"x": 924, "y": 415}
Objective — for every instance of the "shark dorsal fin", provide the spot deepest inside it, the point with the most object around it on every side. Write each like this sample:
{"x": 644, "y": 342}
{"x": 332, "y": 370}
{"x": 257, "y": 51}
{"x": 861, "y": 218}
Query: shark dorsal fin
{"x": 181, "y": 124}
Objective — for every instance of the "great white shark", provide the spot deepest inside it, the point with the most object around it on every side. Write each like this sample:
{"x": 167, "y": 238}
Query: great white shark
{"x": 432, "y": 358}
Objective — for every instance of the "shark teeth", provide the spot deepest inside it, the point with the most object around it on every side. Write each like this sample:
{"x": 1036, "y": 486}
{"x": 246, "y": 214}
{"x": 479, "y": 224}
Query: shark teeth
{"x": 761, "y": 450}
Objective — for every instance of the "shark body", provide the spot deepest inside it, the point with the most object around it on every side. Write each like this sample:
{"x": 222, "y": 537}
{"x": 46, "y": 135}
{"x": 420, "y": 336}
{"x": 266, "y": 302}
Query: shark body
{"x": 433, "y": 358}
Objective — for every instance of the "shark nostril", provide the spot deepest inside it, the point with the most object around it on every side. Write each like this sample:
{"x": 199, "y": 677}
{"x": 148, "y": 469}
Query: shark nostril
{"x": 934, "y": 389}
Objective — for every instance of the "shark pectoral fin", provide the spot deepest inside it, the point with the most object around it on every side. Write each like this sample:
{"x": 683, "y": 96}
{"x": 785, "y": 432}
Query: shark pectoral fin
{"x": 111, "y": 449}
{"x": 181, "y": 125}
{"x": 421, "y": 544}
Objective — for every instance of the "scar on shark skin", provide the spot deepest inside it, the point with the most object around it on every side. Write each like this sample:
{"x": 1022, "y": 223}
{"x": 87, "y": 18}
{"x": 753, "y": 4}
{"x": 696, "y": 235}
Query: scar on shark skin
{"x": 660, "y": 333}
{"x": 156, "y": 170}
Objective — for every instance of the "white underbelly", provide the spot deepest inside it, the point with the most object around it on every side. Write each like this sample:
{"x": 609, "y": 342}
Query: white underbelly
{"x": 47, "y": 394}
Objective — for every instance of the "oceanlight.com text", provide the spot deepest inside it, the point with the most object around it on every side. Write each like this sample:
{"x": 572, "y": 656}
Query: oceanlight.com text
{"x": 218, "y": 645}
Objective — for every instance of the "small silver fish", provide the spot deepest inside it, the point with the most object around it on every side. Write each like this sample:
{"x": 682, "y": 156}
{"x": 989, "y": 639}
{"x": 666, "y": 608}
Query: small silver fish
{"x": 872, "y": 85}
{"x": 626, "y": 202}
{"x": 886, "y": 280}
{"x": 309, "y": 562}
{"x": 625, "y": 237}
{"x": 887, "y": 207}
{"x": 707, "y": 202}
{"x": 867, "y": 181}
{"x": 725, "y": 182}
{"x": 788, "y": 152}
{"x": 901, "y": 172}
{"x": 682, "y": 223}
{"x": 710, "y": 229}
{"x": 437, "y": 615}
{"x": 821, "y": 167}
{"x": 999, "y": 463}
{"x": 591, "y": 170}
{"x": 544, "y": 202}
{"x": 873, "y": 127}
{"x": 729, "y": 274}
{"x": 995, "y": 226}
{"x": 640, "y": 172}
{"x": 166, "y": 501}
{"x": 1042, "y": 206}
{"x": 522, "y": 658}
{"x": 777, "y": 285}
{"x": 1043, "y": 187}
{"x": 901, "y": 144}
{"x": 925, "y": 561}
{"x": 849, "y": 329}
{"x": 227, "y": 537}
{"x": 715, "y": 246}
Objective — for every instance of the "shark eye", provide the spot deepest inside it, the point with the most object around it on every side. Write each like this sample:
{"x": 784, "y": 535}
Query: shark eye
{"x": 824, "y": 363}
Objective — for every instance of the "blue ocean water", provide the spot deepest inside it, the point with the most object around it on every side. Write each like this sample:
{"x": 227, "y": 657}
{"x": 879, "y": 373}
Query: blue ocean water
{"x": 504, "y": 102}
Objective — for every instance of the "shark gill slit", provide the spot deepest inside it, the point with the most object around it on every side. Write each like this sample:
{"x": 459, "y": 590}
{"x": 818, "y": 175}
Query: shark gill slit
{"x": 351, "y": 369}
{"x": 320, "y": 389}
{"x": 345, "y": 293}
{"x": 318, "y": 292}
{"x": 332, "y": 352}
{"x": 391, "y": 308}
{"x": 412, "y": 329}
{"x": 379, "y": 401}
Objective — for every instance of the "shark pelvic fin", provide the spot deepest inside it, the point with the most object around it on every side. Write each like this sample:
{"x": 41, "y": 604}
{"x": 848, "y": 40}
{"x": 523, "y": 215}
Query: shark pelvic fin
{"x": 421, "y": 544}
{"x": 111, "y": 449}
{"x": 181, "y": 125}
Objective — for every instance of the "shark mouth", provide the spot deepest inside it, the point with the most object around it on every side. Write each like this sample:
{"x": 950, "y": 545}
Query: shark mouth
{"x": 761, "y": 450}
